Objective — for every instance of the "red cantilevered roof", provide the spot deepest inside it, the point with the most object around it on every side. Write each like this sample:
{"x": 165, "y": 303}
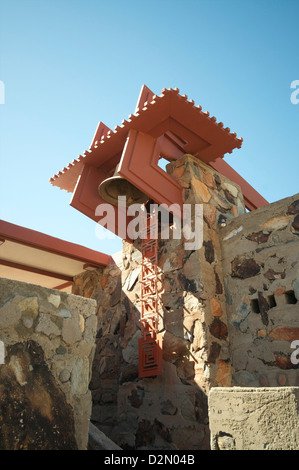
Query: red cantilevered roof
{"x": 187, "y": 126}
{"x": 34, "y": 257}
{"x": 167, "y": 126}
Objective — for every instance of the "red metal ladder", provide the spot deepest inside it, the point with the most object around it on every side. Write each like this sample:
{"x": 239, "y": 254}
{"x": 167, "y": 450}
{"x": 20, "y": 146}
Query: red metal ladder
{"x": 150, "y": 344}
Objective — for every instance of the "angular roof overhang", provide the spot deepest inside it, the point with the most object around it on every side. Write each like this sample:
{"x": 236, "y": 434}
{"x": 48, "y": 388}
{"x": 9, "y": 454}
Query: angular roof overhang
{"x": 171, "y": 114}
{"x": 30, "y": 256}
{"x": 166, "y": 126}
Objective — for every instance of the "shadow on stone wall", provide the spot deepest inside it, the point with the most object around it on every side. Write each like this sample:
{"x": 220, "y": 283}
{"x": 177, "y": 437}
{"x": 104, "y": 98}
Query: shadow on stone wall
{"x": 34, "y": 414}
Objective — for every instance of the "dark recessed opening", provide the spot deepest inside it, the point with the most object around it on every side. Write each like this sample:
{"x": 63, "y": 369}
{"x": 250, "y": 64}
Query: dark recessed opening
{"x": 290, "y": 297}
{"x": 271, "y": 301}
{"x": 255, "y": 306}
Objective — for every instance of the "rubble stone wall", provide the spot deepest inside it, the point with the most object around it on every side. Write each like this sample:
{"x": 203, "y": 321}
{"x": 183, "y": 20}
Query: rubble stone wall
{"x": 49, "y": 345}
{"x": 261, "y": 278}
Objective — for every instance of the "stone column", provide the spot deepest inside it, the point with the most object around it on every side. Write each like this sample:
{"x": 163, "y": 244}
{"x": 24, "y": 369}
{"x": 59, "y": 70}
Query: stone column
{"x": 193, "y": 282}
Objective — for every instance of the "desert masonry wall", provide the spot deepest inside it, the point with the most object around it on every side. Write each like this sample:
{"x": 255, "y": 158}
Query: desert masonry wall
{"x": 49, "y": 345}
{"x": 261, "y": 275}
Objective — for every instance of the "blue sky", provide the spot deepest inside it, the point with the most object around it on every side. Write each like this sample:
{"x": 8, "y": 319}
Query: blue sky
{"x": 68, "y": 64}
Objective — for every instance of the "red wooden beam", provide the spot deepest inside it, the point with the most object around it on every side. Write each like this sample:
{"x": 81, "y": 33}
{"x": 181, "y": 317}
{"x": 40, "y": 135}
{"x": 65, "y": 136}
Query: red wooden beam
{"x": 64, "y": 285}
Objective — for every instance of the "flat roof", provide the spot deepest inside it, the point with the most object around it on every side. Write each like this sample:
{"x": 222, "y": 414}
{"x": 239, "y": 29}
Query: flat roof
{"x": 34, "y": 257}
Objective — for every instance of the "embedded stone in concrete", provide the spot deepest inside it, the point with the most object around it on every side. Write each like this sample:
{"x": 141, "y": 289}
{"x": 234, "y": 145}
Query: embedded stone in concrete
{"x": 201, "y": 191}
{"x": 258, "y": 237}
{"x": 218, "y": 329}
{"x": 293, "y": 207}
{"x": 241, "y": 314}
{"x": 29, "y": 306}
{"x": 284, "y": 333}
{"x": 221, "y": 201}
{"x": 79, "y": 376}
{"x": 244, "y": 418}
{"x": 216, "y": 309}
{"x": 295, "y": 223}
{"x": 209, "y": 251}
{"x": 209, "y": 213}
{"x": 232, "y": 189}
{"x": 46, "y": 326}
{"x": 10, "y": 314}
{"x": 244, "y": 267}
{"x": 27, "y": 322}
{"x": 54, "y": 299}
{"x": 264, "y": 307}
{"x": 131, "y": 279}
{"x": 271, "y": 275}
{"x": 71, "y": 331}
{"x": 276, "y": 223}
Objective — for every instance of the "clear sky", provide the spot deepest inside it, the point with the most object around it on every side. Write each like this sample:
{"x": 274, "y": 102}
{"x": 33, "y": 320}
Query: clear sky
{"x": 68, "y": 64}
